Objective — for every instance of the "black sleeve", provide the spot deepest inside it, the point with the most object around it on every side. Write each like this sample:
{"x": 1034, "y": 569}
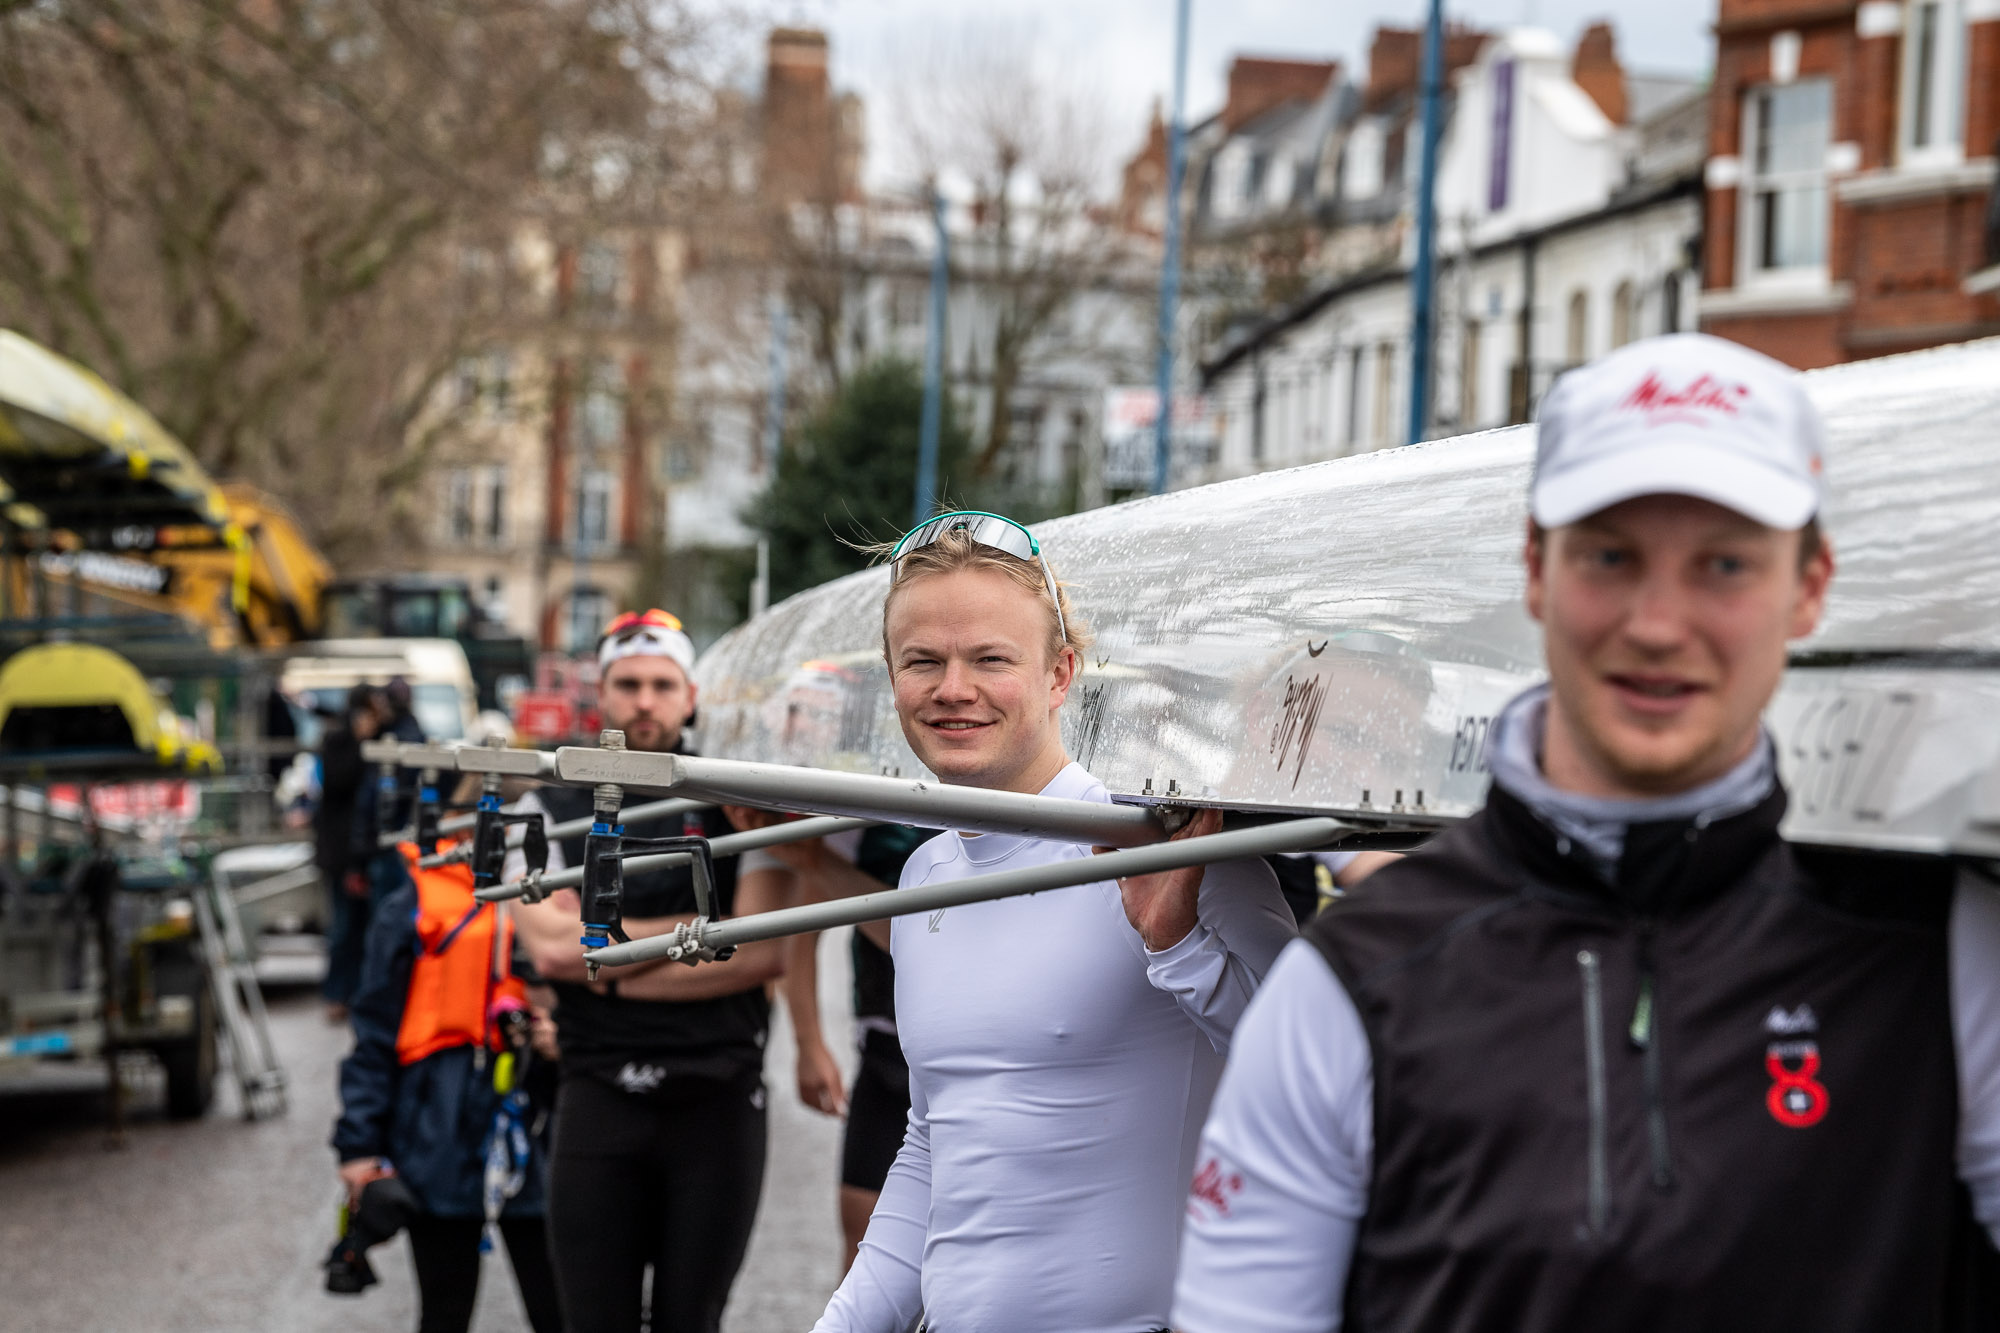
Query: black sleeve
{"x": 368, "y": 1076}
{"x": 342, "y": 769}
{"x": 885, "y": 848}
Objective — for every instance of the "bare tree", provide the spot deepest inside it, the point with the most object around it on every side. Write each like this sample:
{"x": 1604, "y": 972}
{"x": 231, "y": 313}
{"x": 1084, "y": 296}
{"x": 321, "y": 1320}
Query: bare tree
{"x": 985, "y": 117}
{"x": 254, "y": 216}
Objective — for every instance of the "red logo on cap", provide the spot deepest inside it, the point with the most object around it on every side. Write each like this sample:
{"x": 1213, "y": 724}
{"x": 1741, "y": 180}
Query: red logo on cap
{"x": 1706, "y": 394}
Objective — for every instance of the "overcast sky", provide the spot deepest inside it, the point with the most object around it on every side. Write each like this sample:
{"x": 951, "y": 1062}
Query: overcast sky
{"x": 1121, "y": 51}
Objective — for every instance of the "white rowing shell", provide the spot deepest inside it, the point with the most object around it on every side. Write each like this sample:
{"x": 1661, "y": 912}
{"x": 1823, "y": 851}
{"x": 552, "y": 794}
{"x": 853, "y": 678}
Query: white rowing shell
{"x": 1336, "y": 638}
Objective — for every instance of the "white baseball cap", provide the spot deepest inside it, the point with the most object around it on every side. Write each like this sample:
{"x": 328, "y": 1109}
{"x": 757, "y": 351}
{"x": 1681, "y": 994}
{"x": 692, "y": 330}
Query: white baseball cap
{"x": 1683, "y": 414}
{"x": 653, "y": 633}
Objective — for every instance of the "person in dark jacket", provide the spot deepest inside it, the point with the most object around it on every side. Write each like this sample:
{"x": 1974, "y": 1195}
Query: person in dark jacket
{"x": 343, "y": 774}
{"x": 421, "y": 1096}
{"x": 375, "y": 871}
{"x": 1611, "y": 1054}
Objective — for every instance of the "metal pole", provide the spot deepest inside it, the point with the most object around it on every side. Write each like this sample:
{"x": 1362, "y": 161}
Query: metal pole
{"x": 1170, "y": 263}
{"x": 1420, "y": 283}
{"x": 774, "y": 409}
{"x": 760, "y": 587}
{"x": 925, "y": 803}
{"x": 690, "y": 939}
{"x": 733, "y": 844}
{"x": 933, "y": 419}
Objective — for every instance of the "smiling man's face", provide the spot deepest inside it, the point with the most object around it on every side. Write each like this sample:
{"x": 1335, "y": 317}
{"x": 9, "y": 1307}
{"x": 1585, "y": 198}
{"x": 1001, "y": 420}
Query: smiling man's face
{"x": 975, "y": 689}
{"x": 1666, "y": 620}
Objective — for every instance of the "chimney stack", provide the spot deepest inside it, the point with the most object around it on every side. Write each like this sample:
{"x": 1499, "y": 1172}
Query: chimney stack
{"x": 1596, "y": 70}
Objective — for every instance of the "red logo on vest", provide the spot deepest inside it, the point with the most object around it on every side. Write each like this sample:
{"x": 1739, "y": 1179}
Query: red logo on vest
{"x": 1797, "y": 1099}
{"x": 1706, "y": 395}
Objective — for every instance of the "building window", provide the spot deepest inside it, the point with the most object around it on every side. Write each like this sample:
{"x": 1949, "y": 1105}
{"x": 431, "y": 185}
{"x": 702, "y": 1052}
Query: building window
{"x": 492, "y": 513}
{"x": 909, "y": 305}
{"x": 1933, "y": 112}
{"x": 688, "y": 446}
{"x": 483, "y": 379}
{"x": 1787, "y": 130}
{"x": 467, "y": 376}
{"x": 600, "y": 272}
{"x": 476, "y": 505}
{"x": 1362, "y": 164}
{"x": 1670, "y": 303}
{"x": 1229, "y": 181}
{"x": 1576, "y": 350}
{"x": 589, "y": 613}
{"x": 601, "y": 417}
{"x": 1621, "y": 315}
{"x": 593, "y": 510}
{"x": 499, "y": 384}
{"x": 458, "y": 505}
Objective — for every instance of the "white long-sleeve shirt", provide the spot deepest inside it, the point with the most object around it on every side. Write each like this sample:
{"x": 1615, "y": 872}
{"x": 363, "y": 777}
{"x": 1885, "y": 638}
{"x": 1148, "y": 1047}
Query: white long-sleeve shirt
{"x": 1059, "y": 1076}
{"x": 1270, "y": 1238}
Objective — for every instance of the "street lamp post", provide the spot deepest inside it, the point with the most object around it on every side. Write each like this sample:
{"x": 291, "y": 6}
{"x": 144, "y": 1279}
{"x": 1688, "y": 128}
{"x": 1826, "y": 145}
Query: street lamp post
{"x": 933, "y": 419}
{"x": 1421, "y": 295}
{"x": 1170, "y": 264}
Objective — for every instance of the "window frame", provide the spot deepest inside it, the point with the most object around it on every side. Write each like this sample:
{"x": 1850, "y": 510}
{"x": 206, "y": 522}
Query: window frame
{"x": 594, "y": 486}
{"x": 1750, "y": 270}
{"x": 1949, "y": 74}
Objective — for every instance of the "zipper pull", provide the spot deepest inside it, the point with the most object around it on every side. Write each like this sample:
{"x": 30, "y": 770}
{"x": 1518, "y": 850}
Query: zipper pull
{"x": 1641, "y": 1031}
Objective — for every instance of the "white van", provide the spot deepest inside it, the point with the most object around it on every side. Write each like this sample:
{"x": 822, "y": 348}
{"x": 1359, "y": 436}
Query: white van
{"x": 442, "y": 693}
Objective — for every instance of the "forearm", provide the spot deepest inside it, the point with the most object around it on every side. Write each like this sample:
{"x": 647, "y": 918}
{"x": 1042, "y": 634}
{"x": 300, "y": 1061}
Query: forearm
{"x": 752, "y": 965}
{"x": 835, "y": 877}
{"x": 1214, "y": 971}
{"x": 800, "y": 987}
{"x": 552, "y": 933}
{"x": 883, "y": 1291}
{"x": 749, "y": 967}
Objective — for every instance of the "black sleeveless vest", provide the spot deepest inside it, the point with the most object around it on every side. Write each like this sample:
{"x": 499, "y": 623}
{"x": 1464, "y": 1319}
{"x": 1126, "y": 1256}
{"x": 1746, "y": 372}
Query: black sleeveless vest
{"x": 1718, "y": 1095}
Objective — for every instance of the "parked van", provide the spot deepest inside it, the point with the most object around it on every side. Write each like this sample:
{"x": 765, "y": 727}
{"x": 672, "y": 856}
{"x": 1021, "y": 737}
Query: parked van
{"x": 442, "y": 692}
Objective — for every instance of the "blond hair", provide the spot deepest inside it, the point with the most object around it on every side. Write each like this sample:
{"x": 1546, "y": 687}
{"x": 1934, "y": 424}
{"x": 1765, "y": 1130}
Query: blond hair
{"x": 955, "y": 552}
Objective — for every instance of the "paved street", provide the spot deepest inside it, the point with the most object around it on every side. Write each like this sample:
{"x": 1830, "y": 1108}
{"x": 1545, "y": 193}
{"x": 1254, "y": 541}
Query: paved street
{"x": 221, "y": 1225}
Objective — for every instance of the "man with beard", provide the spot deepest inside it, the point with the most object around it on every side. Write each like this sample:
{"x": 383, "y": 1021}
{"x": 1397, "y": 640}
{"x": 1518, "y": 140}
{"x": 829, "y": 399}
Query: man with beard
{"x": 659, "y": 1141}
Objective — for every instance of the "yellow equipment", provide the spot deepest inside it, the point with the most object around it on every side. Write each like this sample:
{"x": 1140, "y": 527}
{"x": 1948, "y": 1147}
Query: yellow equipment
{"x": 65, "y": 706}
{"x": 118, "y": 506}
{"x": 81, "y": 453}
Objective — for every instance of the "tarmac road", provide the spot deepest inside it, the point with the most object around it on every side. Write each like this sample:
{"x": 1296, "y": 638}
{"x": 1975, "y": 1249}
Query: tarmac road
{"x": 219, "y": 1225}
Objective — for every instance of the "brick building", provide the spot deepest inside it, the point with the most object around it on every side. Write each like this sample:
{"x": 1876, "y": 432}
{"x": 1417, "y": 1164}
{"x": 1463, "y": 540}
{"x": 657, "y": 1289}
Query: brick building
{"x": 1850, "y": 181}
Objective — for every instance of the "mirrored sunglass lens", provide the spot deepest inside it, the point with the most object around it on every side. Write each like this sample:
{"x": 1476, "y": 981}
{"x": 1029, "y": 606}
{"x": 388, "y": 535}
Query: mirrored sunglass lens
{"x": 984, "y": 529}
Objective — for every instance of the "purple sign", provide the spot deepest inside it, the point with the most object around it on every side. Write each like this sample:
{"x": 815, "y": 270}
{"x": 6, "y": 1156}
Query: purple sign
{"x": 1503, "y": 136}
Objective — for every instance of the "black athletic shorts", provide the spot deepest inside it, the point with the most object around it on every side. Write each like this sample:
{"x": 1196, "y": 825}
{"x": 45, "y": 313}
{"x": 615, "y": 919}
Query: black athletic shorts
{"x": 878, "y": 1112}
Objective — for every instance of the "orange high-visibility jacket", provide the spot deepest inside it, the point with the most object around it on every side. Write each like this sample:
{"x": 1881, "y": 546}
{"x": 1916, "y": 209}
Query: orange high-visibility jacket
{"x": 460, "y": 968}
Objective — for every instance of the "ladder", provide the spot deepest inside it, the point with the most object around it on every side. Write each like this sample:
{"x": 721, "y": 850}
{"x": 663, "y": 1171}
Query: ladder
{"x": 239, "y": 1001}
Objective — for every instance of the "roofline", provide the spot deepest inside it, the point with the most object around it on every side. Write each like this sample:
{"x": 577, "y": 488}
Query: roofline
{"x": 1689, "y": 183}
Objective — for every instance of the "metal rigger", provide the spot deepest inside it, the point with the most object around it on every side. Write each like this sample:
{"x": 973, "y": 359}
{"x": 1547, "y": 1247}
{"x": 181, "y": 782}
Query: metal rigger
{"x": 489, "y": 830}
{"x": 605, "y": 850}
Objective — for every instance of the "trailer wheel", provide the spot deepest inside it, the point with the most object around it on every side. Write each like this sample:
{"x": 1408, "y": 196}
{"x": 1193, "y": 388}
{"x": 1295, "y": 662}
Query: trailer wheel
{"x": 191, "y": 1063}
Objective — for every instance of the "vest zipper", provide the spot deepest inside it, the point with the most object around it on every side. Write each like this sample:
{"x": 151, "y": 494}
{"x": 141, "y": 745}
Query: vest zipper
{"x": 1593, "y": 1064}
{"x": 1644, "y": 1033}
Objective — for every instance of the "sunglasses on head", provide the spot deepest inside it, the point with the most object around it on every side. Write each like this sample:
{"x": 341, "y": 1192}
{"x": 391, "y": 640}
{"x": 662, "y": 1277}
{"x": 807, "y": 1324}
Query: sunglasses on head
{"x": 631, "y": 622}
{"x": 995, "y": 530}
